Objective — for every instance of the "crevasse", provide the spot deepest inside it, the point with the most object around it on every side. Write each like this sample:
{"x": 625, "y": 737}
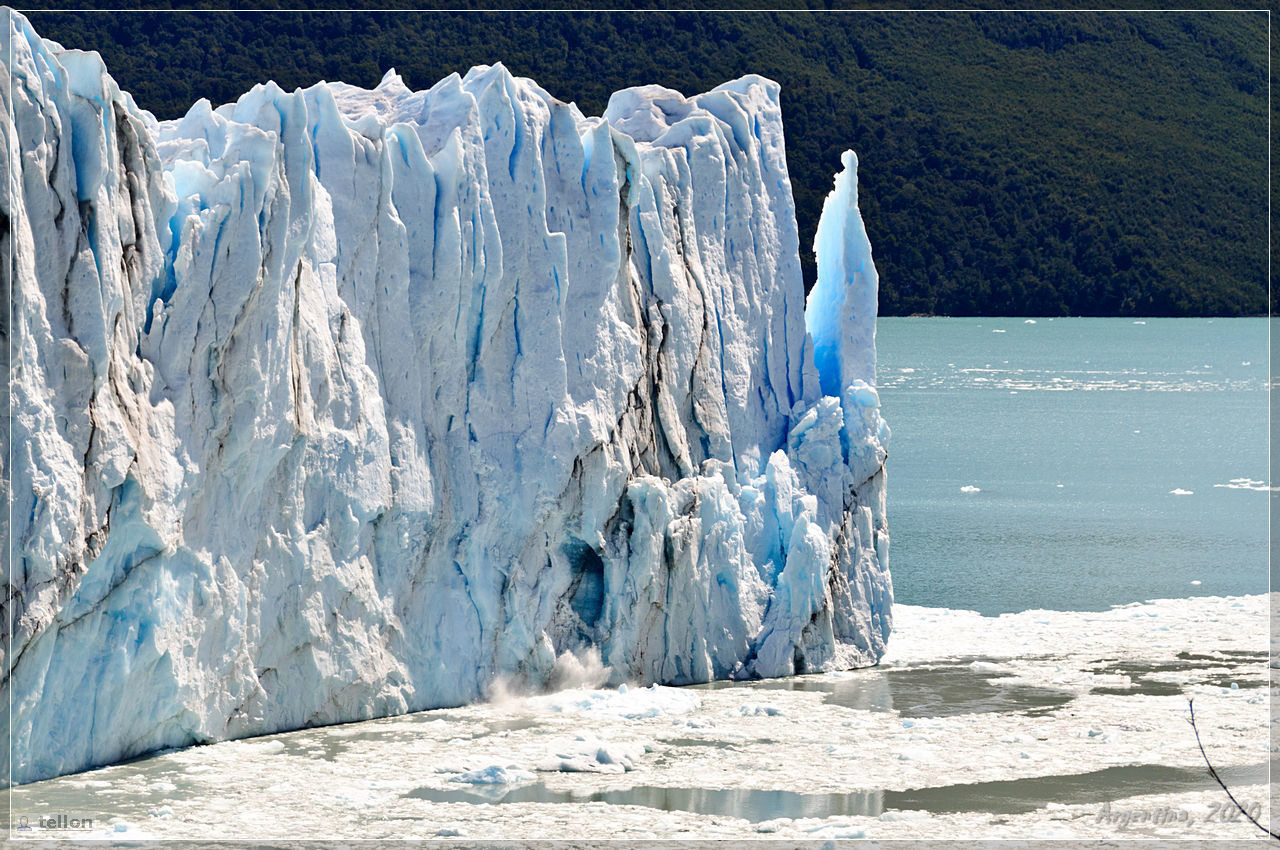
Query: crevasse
{"x": 341, "y": 403}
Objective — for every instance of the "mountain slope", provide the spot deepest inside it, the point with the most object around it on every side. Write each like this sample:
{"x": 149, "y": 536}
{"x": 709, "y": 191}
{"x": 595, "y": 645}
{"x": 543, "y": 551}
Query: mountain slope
{"x": 1013, "y": 163}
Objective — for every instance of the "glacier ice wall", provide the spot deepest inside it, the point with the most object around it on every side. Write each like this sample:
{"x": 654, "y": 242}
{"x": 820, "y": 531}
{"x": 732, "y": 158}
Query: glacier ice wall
{"x": 340, "y": 403}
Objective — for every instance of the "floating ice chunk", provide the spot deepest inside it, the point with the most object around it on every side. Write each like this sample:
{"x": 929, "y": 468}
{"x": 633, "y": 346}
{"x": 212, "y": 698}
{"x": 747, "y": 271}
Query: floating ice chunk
{"x": 1195, "y": 581}
{"x": 1139, "y": 323}
{"x": 495, "y": 774}
{"x": 1029, "y": 322}
{"x": 998, "y": 331}
{"x": 589, "y": 754}
{"x": 986, "y": 667}
{"x": 969, "y": 488}
{"x": 900, "y": 815}
{"x": 1178, "y": 491}
{"x": 836, "y": 831}
{"x": 1247, "y": 484}
{"x": 631, "y": 704}
{"x": 758, "y": 710}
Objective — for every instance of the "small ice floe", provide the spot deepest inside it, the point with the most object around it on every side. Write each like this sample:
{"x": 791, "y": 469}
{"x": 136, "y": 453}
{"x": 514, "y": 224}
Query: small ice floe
{"x": 349, "y": 730}
{"x": 1139, "y": 323}
{"x": 835, "y": 830}
{"x": 985, "y": 667}
{"x": 907, "y": 370}
{"x": 495, "y": 774}
{"x": 1178, "y": 491}
{"x": 1062, "y": 485}
{"x": 1029, "y": 322}
{"x": 1246, "y": 484}
{"x": 119, "y": 829}
{"x": 1195, "y": 581}
{"x": 1246, "y": 362}
{"x": 628, "y": 703}
{"x": 998, "y": 331}
{"x": 754, "y": 710}
{"x": 589, "y": 754}
{"x": 969, "y": 488}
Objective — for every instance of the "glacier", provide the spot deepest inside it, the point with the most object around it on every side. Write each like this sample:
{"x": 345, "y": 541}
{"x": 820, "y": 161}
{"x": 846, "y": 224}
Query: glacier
{"x": 342, "y": 403}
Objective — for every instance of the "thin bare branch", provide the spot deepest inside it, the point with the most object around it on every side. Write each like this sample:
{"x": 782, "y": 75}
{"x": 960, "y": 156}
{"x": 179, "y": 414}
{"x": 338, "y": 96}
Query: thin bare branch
{"x": 1218, "y": 779}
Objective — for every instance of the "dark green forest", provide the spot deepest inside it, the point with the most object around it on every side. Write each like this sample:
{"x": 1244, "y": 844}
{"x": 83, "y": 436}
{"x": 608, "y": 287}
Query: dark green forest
{"x": 1012, "y": 163}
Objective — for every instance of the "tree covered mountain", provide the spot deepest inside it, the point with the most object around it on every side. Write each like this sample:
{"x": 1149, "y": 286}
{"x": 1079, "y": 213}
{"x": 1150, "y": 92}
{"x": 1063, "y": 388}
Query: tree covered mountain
{"x": 1012, "y": 163}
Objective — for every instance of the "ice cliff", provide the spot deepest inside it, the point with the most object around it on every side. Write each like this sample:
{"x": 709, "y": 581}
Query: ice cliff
{"x": 341, "y": 403}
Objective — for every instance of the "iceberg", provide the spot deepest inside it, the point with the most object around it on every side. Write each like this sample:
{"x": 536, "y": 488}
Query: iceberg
{"x": 342, "y": 403}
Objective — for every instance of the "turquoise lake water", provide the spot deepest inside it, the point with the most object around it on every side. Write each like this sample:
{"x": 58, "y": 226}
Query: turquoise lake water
{"x": 1076, "y": 433}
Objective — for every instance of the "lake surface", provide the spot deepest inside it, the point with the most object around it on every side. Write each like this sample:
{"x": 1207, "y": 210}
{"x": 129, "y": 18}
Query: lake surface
{"x": 1114, "y": 461}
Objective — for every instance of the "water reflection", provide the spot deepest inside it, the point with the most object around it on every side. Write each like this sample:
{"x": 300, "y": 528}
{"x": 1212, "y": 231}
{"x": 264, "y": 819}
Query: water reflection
{"x": 941, "y": 691}
{"x": 1241, "y": 668}
{"x": 749, "y": 803}
{"x": 1004, "y": 797}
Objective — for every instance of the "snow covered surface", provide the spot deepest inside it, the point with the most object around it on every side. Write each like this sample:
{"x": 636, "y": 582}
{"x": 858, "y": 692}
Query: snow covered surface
{"x": 337, "y": 404}
{"x": 1078, "y": 722}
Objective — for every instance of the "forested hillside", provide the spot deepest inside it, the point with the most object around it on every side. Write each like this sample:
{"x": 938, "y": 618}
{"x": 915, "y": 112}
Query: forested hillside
{"x": 1011, "y": 163}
